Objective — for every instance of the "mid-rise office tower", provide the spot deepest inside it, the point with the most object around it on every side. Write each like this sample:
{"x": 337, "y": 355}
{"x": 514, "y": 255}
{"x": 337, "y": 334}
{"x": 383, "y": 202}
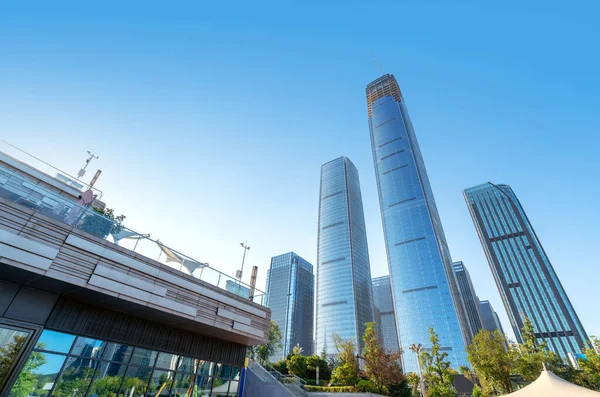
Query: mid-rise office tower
{"x": 470, "y": 299}
{"x": 290, "y": 296}
{"x": 344, "y": 299}
{"x": 423, "y": 283}
{"x": 524, "y": 275}
{"x": 489, "y": 318}
{"x": 383, "y": 305}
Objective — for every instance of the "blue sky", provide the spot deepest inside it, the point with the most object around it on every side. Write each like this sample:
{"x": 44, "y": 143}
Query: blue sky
{"x": 212, "y": 119}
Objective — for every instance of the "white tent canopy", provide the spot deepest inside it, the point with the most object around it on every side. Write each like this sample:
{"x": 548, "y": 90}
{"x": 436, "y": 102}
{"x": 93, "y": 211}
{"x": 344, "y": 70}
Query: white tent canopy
{"x": 550, "y": 385}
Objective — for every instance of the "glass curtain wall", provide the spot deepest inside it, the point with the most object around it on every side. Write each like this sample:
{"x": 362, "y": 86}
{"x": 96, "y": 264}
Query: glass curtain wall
{"x": 65, "y": 365}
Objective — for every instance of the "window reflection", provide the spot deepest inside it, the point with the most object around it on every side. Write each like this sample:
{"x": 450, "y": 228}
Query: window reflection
{"x": 188, "y": 364}
{"x": 135, "y": 383}
{"x": 88, "y": 347}
{"x": 38, "y": 375}
{"x": 183, "y": 385}
{"x": 203, "y": 385}
{"x": 75, "y": 378}
{"x": 107, "y": 381}
{"x": 167, "y": 361}
{"x": 118, "y": 352}
{"x": 143, "y": 357}
{"x": 160, "y": 383}
{"x": 205, "y": 368}
{"x": 11, "y": 343}
{"x": 96, "y": 368}
{"x": 55, "y": 341}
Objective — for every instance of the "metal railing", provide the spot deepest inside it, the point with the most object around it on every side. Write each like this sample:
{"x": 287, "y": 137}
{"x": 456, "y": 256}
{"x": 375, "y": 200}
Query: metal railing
{"x": 46, "y": 168}
{"x": 17, "y": 188}
{"x": 292, "y": 383}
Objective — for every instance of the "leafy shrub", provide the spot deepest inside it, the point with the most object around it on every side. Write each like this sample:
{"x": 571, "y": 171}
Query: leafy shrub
{"x": 331, "y": 389}
{"x": 281, "y": 367}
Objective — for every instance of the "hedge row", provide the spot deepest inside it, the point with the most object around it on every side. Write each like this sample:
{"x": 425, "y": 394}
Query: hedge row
{"x": 331, "y": 389}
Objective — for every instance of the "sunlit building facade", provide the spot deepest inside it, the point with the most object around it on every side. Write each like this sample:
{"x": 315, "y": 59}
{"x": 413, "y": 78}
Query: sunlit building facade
{"x": 383, "y": 305}
{"x": 290, "y": 296}
{"x": 423, "y": 283}
{"x": 469, "y": 297}
{"x": 528, "y": 284}
{"x": 344, "y": 299}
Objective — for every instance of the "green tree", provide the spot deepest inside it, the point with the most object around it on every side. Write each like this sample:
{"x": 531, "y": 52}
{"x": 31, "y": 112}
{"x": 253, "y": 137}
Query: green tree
{"x": 27, "y": 381}
{"x": 590, "y": 366}
{"x": 100, "y": 226}
{"x": 436, "y": 370}
{"x": 531, "y": 355}
{"x": 296, "y": 362}
{"x": 346, "y": 371}
{"x": 8, "y": 355}
{"x": 381, "y": 368}
{"x": 413, "y": 381}
{"x": 264, "y": 352}
{"x": 314, "y": 362}
{"x": 491, "y": 361}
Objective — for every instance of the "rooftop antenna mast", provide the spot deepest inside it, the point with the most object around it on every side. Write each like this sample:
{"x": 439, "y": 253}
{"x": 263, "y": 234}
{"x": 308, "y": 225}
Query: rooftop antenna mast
{"x": 81, "y": 172}
{"x": 377, "y": 62}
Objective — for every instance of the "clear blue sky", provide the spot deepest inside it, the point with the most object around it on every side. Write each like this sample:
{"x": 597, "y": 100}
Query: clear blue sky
{"x": 212, "y": 119}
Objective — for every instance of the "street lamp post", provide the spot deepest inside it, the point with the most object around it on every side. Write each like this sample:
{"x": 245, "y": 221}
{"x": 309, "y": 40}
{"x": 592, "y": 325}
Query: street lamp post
{"x": 246, "y": 247}
{"x": 417, "y": 348}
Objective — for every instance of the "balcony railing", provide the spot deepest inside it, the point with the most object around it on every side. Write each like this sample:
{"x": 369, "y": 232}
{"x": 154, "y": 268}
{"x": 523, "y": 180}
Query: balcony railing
{"x": 48, "y": 169}
{"x": 17, "y": 188}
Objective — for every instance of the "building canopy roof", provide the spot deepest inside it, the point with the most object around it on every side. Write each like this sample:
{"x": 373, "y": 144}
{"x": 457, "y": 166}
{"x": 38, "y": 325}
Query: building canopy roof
{"x": 550, "y": 385}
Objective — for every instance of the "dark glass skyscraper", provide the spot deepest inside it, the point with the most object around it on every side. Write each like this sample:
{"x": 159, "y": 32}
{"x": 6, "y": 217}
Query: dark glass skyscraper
{"x": 290, "y": 296}
{"x": 489, "y": 318}
{"x": 524, "y": 275}
{"x": 385, "y": 318}
{"x": 423, "y": 283}
{"x": 469, "y": 297}
{"x": 344, "y": 299}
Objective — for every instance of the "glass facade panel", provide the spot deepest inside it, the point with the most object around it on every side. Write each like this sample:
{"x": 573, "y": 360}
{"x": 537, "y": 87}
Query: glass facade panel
{"x": 344, "y": 298}
{"x": 384, "y": 313}
{"x": 469, "y": 297}
{"x": 206, "y": 368}
{"x": 144, "y": 357}
{"x": 135, "y": 383}
{"x": 88, "y": 347}
{"x": 423, "y": 284}
{"x": 55, "y": 341}
{"x": 37, "y": 377}
{"x": 290, "y": 296}
{"x": 188, "y": 364}
{"x": 526, "y": 279}
{"x": 183, "y": 385}
{"x": 107, "y": 381}
{"x": 12, "y": 342}
{"x": 203, "y": 385}
{"x": 167, "y": 361}
{"x": 121, "y": 371}
{"x": 75, "y": 378}
{"x": 118, "y": 352}
{"x": 160, "y": 383}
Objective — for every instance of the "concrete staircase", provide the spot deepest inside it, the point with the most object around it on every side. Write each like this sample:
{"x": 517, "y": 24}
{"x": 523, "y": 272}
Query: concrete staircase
{"x": 261, "y": 381}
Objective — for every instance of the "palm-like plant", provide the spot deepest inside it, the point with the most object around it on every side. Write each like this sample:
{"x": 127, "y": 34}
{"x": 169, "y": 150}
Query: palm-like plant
{"x": 417, "y": 348}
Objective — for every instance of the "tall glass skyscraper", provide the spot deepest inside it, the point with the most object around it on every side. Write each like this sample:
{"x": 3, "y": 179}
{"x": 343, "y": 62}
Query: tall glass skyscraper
{"x": 290, "y": 296}
{"x": 469, "y": 297}
{"x": 524, "y": 275}
{"x": 344, "y": 299}
{"x": 425, "y": 290}
{"x": 385, "y": 318}
{"x": 489, "y": 318}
